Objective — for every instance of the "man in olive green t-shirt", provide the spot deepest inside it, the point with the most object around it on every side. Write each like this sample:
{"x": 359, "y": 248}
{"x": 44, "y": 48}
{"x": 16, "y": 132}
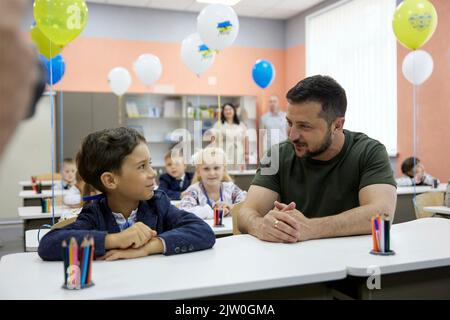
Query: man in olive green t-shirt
{"x": 324, "y": 181}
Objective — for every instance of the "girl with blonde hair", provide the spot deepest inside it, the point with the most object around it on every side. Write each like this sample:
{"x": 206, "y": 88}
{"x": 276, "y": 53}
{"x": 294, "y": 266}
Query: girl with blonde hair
{"x": 211, "y": 186}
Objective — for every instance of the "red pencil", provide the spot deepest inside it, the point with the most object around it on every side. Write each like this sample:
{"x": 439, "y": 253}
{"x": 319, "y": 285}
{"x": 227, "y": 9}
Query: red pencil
{"x": 374, "y": 236}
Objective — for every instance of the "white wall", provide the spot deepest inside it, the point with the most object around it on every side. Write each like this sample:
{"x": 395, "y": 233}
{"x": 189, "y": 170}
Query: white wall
{"x": 28, "y": 153}
{"x": 133, "y": 23}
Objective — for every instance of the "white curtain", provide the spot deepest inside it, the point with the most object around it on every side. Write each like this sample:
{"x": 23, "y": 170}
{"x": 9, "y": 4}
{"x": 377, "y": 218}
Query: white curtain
{"x": 353, "y": 42}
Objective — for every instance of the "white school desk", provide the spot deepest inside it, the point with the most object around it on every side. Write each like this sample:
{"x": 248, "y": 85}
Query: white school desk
{"x": 31, "y": 239}
{"x": 242, "y": 173}
{"x": 421, "y": 189}
{"x": 405, "y": 209}
{"x": 245, "y": 266}
{"x": 35, "y": 212}
{"x": 227, "y": 228}
{"x": 441, "y": 210}
{"x": 420, "y": 269}
{"x": 31, "y": 198}
{"x": 46, "y": 184}
{"x": 30, "y": 194}
{"x": 33, "y": 218}
{"x": 235, "y": 264}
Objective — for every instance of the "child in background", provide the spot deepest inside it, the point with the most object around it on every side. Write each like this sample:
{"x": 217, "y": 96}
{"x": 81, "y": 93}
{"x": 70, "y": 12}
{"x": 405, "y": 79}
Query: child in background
{"x": 131, "y": 219}
{"x": 72, "y": 198}
{"x": 75, "y": 198}
{"x": 176, "y": 180}
{"x": 414, "y": 174}
{"x": 211, "y": 186}
{"x": 68, "y": 175}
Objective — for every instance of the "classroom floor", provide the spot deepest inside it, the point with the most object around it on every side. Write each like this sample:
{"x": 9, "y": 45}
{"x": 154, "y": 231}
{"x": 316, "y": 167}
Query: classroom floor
{"x": 11, "y": 239}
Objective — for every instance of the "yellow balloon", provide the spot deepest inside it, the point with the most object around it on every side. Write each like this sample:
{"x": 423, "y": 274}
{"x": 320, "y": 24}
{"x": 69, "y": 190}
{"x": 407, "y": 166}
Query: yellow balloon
{"x": 60, "y": 20}
{"x": 414, "y": 23}
{"x": 45, "y": 46}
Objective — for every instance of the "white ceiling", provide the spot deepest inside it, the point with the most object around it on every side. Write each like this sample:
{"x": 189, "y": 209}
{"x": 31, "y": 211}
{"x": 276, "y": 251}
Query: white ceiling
{"x": 272, "y": 9}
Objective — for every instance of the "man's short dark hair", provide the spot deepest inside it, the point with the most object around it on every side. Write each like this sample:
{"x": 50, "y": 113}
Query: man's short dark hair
{"x": 105, "y": 151}
{"x": 324, "y": 90}
{"x": 408, "y": 164}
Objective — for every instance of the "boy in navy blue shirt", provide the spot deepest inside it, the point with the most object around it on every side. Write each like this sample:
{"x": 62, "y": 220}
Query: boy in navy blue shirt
{"x": 131, "y": 219}
{"x": 176, "y": 180}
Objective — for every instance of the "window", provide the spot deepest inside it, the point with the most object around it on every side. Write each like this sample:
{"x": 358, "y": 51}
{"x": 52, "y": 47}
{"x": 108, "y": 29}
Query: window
{"x": 353, "y": 42}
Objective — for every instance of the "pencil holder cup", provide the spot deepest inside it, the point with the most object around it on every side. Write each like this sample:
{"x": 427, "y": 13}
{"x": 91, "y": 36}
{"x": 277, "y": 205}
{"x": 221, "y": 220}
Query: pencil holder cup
{"x": 77, "y": 263}
{"x": 381, "y": 237}
{"x": 218, "y": 215}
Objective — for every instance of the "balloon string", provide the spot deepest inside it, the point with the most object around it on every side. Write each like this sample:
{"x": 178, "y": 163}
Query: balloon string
{"x": 52, "y": 129}
{"x": 52, "y": 126}
{"x": 119, "y": 108}
{"x": 219, "y": 116}
{"x": 61, "y": 120}
{"x": 414, "y": 137}
{"x": 263, "y": 109}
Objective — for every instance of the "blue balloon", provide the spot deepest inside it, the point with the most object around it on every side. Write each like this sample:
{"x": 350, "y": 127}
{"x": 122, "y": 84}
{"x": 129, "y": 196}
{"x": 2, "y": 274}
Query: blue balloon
{"x": 55, "y": 68}
{"x": 263, "y": 73}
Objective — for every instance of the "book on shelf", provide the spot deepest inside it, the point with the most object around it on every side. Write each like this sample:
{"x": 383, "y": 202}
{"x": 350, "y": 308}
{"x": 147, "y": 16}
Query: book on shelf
{"x": 172, "y": 108}
{"x": 132, "y": 110}
{"x": 154, "y": 112}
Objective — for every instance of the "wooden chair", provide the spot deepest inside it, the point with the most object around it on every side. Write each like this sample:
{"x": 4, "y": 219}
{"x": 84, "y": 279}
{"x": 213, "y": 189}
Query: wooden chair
{"x": 234, "y": 217}
{"x": 63, "y": 223}
{"x": 427, "y": 199}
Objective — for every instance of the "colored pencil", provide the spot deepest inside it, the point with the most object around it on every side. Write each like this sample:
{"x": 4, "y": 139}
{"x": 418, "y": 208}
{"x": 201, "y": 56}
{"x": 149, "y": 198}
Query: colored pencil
{"x": 84, "y": 260}
{"x": 65, "y": 258}
{"x": 91, "y": 258}
{"x": 387, "y": 236}
{"x": 374, "y": 237}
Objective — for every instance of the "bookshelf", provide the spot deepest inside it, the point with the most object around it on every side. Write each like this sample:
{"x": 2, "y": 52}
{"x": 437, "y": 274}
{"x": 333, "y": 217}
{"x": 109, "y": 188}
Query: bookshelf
{"x": 160, "y": 116}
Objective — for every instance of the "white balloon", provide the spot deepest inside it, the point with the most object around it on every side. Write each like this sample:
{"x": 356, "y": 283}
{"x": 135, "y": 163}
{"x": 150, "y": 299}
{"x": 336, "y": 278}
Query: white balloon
{"x": 218, "y": 26}
{"x": 417, "y": 66}
{"x": 119, "y": 80}
{"x": 148, "y": 68}
{"x": 196, "y": 55}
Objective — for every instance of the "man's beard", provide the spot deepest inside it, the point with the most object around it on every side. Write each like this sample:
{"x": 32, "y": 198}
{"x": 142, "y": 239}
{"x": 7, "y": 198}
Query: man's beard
{"x": 326, "y": 143}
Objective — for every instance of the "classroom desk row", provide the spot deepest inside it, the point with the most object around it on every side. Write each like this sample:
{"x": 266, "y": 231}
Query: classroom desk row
{"x": 405, "y": 208}
{"x": 31, "y": 198}
{"x": 438, "y": 211}
{"x": 244, "y": 267}
{"x": 33, "y": 217}
{"x": 46, "y": 184}
{"x": 404, "y": 211}
{"x": 33, "y": 236}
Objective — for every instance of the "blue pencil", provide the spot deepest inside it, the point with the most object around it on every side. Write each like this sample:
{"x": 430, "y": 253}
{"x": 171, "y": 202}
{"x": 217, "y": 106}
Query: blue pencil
{"x": 84, "y": 262}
